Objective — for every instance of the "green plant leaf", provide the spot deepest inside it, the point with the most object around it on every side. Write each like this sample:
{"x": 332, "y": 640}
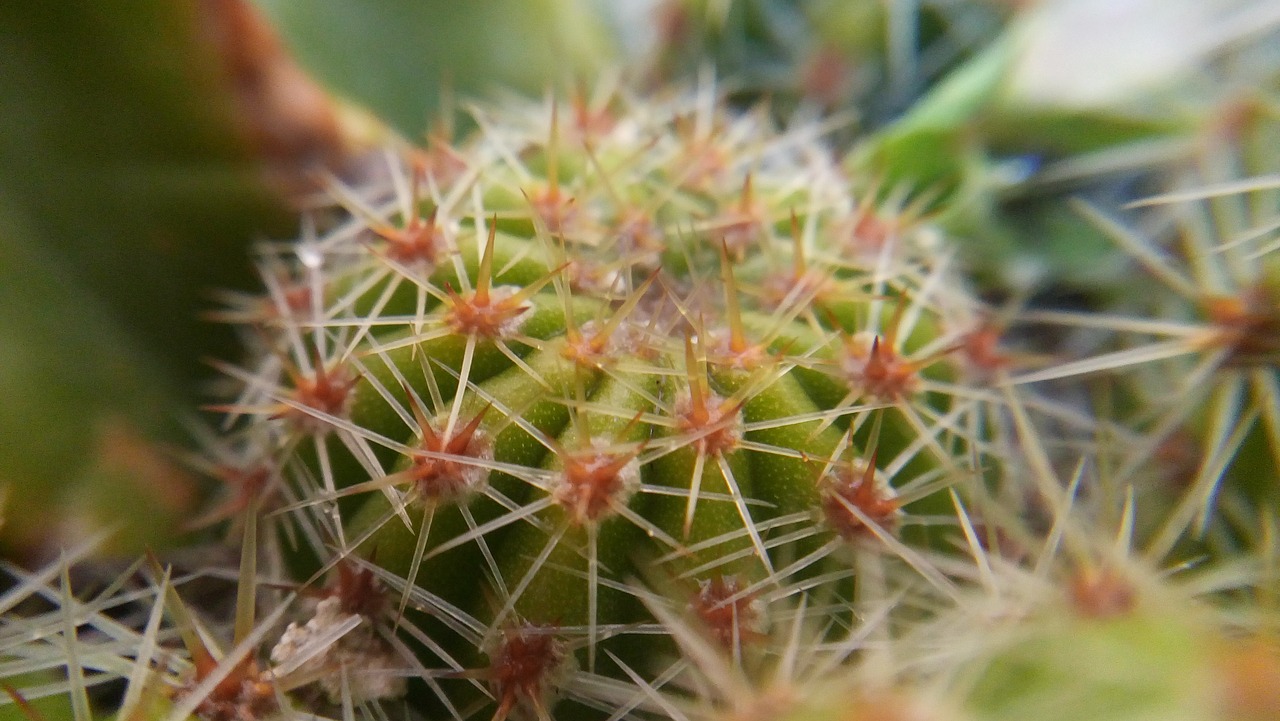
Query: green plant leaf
{"x": 120, "y": 155}
{"x": 394, "y": 56}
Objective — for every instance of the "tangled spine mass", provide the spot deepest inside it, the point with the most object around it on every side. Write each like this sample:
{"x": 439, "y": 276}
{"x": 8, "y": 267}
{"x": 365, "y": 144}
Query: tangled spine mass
{"x": 603, "y": 347}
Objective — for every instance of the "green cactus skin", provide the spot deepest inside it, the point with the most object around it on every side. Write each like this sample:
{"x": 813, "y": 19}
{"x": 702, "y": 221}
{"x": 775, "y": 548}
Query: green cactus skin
{"x": 611, "y": 334}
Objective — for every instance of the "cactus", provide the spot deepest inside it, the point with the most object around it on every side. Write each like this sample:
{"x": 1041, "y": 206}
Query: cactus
{"x": 618, "y": 339}
{"x": 643, "y": 405}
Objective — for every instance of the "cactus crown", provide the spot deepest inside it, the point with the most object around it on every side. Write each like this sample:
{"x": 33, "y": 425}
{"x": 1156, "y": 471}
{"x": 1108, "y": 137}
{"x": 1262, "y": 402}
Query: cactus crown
{"x": 657, "y": 348}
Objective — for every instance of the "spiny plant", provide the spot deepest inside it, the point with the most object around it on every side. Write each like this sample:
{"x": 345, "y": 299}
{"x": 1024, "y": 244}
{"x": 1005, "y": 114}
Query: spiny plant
{"x": 1210, "y": 439}
{"x": 1045, "y": 621}
{"x": 638, "y": 407}
{"x": 608, "y": 341}
{"x": 1083, "y": 611}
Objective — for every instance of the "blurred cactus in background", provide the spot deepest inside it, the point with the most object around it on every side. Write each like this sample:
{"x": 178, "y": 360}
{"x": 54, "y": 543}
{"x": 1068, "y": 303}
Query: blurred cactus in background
{"x": 679, "y": 359}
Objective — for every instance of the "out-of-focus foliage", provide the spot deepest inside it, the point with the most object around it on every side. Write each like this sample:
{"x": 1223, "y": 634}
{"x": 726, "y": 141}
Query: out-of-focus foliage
{"x": 119, "y": 155}
{"x": 126, "y": 194}
{"x": 397, "y": 56}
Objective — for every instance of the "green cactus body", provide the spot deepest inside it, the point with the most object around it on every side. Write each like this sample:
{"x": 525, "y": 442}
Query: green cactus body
{"x": 1131, "y": 668}
{"x": 630, "y": 351}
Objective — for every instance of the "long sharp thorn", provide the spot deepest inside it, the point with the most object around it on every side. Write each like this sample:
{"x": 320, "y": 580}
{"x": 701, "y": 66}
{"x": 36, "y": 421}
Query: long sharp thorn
{"x": 631, "y": 424}
{"x": 611, "y": 191}
{"x": 571, "y": 331}
{"x": 867, "y": 487}
{"x": 891, "y": 333}
{"x": 580, "y": 413}
{"x": 429, "y": 437}
{"x": 696, "y": 398}
{"x": 25, "y": 706}
{"x": 71, "y": 652}
{"x": 484, "y": 274}
{"x": 529, "y": 290}
{"x": 246, "y": 589}
{"x": 695, "y": 487}
{"x": 424, "y": 533}
{"x": 185, "y": 624}
{"x": 629, "y": 305}
{"x": 593, "y": 576}
{"x": 737, "y": 334}
{"x": 469, "y": 430}
{"x": 873, "y": 438}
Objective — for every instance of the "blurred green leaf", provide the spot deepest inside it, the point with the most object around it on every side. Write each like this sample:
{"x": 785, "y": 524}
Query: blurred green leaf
{"x": 126, "y": 195}
{"x": 66, "y": 368}
{"x": 120, "y": 158}
{"x": 956, "y": 146}
{"x": 394, "y": 55}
